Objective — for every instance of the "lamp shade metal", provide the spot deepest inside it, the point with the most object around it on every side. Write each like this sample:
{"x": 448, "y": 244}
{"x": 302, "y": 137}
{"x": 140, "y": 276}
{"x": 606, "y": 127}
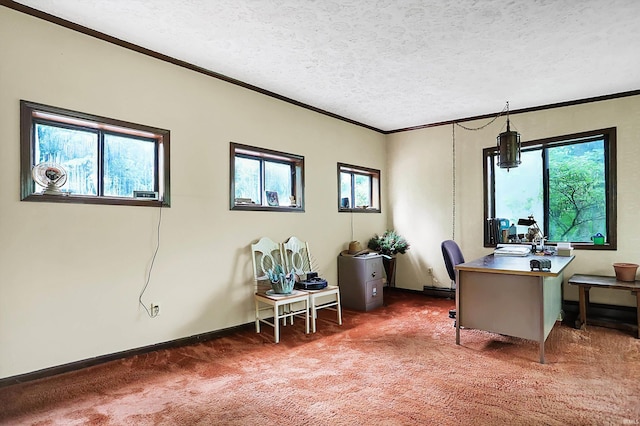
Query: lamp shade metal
{"x": 509, "y": 149}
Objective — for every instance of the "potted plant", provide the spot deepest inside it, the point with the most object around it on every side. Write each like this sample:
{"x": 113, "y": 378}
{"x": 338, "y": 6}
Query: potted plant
{"x": 389, "y": 245}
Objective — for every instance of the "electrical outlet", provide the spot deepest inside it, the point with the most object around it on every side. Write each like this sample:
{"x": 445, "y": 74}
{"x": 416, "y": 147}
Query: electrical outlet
{"x": 155, "y": 310}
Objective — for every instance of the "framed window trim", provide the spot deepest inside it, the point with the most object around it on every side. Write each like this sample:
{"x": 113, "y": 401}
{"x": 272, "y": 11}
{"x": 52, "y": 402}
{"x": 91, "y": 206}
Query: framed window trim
{"x": 610, "y": 155}
{"x": 262, "y": 154}
{"x": 374, "y": 175}
{"x": 32, "y": 113}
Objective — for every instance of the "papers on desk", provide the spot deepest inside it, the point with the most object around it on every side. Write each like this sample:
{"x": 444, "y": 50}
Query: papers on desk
{"x": 512, "y": 250}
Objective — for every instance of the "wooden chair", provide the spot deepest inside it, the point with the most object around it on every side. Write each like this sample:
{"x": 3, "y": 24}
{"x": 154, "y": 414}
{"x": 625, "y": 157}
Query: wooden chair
{"x": 265, "y": 254}
{"x": 298, "y": 257}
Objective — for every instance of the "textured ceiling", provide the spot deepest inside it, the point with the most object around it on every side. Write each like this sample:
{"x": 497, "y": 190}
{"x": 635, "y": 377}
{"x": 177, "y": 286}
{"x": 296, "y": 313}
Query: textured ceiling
{"x": 389, "y": 64}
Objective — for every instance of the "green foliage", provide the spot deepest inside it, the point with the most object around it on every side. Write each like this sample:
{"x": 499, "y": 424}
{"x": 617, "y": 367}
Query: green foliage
{"x": 128, "y": 162}
{"x": 362, "y": 190}
{"x": 577, "y": 192}
{"x": 248, "y": 175}
{"x": 388, "y": 243}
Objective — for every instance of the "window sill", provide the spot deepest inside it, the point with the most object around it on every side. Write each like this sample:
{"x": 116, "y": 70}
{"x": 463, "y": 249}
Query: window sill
{"x": 260, "y": 208}
{"x": 88, "y": 199}
{"x": 360, "y": 210}
{"x": 576, "y": 246}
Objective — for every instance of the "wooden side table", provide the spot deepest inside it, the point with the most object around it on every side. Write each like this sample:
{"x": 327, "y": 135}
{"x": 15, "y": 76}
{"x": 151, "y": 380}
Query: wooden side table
{"x": 585, "y": 282}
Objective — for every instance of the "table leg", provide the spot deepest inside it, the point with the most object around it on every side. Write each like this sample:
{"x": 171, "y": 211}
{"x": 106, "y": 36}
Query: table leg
{"x": 638, "y": 311}
{"x": 583, "y": 298}
{"x": 542, "y": 351}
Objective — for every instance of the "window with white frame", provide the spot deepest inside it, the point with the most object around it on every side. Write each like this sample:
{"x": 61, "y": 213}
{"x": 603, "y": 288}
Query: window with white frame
{"x": 264, "y": 179}
{"x": 358, "y": 189}
{"x": 106, "y": 161}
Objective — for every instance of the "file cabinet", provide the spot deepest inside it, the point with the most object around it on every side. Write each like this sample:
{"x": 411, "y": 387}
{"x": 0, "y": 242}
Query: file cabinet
{"x": 361, "y": 280}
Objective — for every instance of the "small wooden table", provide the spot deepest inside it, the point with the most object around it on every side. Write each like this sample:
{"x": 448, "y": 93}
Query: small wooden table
{"x": 585, "y": 282}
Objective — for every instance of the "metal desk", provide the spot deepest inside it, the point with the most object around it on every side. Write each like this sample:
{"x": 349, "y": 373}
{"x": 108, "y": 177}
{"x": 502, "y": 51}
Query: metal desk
{"x": 502, "y": 295}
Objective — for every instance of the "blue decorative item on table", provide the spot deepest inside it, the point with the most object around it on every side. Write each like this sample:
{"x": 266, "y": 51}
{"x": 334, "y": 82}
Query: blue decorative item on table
{"x": 281, "y": 283}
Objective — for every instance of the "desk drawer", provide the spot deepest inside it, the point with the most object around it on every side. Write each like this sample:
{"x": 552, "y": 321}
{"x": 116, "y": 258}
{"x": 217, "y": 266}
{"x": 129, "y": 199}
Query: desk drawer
{"x": 373, "y": 294}
{"x": 374, "y": 269}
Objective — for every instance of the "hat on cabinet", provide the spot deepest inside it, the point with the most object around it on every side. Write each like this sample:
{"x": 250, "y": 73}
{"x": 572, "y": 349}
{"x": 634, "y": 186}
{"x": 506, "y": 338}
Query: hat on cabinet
{"x": 355, "y": 248}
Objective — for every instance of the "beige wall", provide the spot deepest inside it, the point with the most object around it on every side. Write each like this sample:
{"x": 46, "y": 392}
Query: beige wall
{"x": 70, "y": 274}
{"x": 420, "y": 167}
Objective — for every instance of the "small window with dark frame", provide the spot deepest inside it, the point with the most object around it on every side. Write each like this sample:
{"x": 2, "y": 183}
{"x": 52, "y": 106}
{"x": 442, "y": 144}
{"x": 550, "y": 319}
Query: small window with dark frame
{"x": 69, "y": 156}
{"x": 358, "y": 189}
{"x": 264, "y": 179}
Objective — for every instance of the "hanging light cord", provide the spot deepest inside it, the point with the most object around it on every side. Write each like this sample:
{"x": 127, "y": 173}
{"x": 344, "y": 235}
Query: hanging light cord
{"x": 453, "y": 138}
{"x": 453, "y": 218}
{"x": 506, "y": 108}
{"x": 351, "y": 224}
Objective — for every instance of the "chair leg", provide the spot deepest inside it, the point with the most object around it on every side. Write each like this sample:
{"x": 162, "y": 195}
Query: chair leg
{"x": 306, "y": 316}
{"x": 257, "y": 317}
{"x": 276, "y": 323}
{"x": 314, "y": 316}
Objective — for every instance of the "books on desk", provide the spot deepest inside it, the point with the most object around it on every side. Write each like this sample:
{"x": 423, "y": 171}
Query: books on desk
{"x": 512, "y": 250}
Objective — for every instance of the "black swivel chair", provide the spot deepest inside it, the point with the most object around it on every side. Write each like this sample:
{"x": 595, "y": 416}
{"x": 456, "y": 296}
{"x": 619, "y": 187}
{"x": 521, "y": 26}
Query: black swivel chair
{"x": 452, "y": 257}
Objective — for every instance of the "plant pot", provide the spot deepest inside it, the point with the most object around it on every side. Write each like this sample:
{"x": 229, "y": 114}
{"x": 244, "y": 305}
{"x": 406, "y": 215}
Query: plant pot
{"x": 625, "y": 271}
{"x": 390, "y": 270}
{"x": 283, "y": 287}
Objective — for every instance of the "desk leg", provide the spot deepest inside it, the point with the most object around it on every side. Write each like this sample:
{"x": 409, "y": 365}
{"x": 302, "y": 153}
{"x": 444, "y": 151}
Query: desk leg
{"x": 541, "y": 313}
{"x": 458, "y": 312}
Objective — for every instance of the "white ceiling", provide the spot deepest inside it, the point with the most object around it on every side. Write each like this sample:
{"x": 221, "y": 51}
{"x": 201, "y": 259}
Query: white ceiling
{"x": 390, "y": 64}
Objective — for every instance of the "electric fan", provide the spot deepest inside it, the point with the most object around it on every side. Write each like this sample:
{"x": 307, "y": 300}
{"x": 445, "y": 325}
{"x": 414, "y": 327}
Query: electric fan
{"x": 50, "y": 176}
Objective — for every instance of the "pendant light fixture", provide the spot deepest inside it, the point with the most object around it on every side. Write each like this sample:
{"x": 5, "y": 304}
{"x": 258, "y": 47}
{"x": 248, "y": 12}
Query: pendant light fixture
{"x": 508, "y": 147}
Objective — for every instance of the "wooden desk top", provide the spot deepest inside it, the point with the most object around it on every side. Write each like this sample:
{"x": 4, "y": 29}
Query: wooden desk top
{"x": 515, "y": 265}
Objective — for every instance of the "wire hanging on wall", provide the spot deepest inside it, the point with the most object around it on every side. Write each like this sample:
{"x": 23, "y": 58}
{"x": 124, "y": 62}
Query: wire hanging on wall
{"x": 153, "y": 261}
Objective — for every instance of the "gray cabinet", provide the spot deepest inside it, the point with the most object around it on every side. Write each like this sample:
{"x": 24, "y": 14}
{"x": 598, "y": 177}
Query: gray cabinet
{"x": 361, "y": 281}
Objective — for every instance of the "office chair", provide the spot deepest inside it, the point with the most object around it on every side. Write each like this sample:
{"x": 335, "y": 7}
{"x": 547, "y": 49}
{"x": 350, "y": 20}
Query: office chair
{"x": 452, "y": 257}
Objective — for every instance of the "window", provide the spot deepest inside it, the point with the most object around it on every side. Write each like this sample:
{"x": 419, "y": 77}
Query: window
{"x": 567, "y": 183}
{"x": 358, "y": 189}
{"x": 262, "y": 179}
{"x": 107, "y": 161}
